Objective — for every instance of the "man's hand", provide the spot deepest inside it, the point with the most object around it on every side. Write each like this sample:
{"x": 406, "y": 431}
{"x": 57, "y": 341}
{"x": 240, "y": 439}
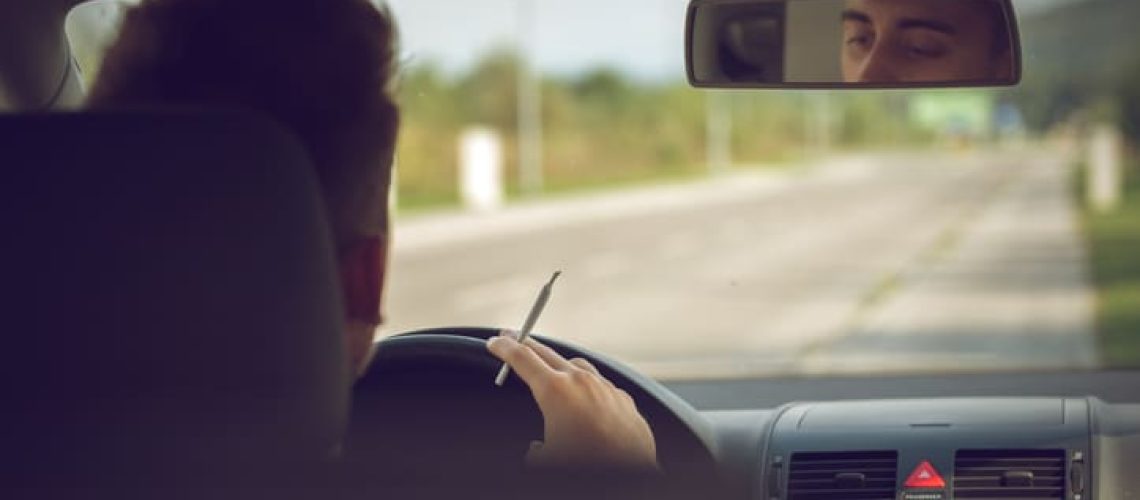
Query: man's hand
{"x": 588, "y": 421}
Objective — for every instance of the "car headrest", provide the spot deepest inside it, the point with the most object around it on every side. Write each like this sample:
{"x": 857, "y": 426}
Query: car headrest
{"x": 169, "y": 297}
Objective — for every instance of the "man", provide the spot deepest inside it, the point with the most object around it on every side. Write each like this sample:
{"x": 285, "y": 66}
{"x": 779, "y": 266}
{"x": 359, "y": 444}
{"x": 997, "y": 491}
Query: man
{"x": 324, "y": 69}
{"x": 895, "y": 41}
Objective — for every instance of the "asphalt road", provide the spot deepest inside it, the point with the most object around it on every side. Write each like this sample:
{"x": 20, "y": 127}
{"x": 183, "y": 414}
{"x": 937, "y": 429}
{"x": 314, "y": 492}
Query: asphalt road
{"x": 946, "y": 261}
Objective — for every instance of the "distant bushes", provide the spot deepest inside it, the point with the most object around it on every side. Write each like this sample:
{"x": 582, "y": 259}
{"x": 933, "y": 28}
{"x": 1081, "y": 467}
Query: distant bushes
{"x": 601, "y": 127}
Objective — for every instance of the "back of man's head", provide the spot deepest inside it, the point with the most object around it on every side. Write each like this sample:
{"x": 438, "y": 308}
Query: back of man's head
{"x": 322, "y": 68}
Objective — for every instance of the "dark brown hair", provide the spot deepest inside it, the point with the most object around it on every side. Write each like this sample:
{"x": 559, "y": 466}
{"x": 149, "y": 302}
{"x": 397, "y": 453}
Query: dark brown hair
{"x": 322, "y": 68}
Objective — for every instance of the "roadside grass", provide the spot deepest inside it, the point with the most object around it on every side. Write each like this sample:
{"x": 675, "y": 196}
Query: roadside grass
{"x": 1114, "y": 241}
{"x": 418, "y": 203}
{"x": 414, "y": 202}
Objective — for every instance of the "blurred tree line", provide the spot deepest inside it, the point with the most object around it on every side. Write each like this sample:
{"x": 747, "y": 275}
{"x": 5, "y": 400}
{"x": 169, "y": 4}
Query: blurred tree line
{"x": 1082, "y": 65}
{"x": 602, "y": 128}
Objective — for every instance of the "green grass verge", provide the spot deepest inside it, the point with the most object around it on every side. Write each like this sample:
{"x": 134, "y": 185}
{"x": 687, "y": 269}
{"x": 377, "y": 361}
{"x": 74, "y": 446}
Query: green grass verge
{"x": 417, "y": 202}
{"x": 1114, "y": 241}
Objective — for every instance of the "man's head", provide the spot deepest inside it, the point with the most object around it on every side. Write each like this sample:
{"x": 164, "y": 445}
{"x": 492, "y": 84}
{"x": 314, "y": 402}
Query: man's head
{"x": 321, "y": 68}
{"x": 891, "y": 41}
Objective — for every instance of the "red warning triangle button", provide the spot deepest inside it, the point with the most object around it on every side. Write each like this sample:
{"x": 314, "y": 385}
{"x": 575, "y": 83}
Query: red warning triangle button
{"x": 925, "y": 476}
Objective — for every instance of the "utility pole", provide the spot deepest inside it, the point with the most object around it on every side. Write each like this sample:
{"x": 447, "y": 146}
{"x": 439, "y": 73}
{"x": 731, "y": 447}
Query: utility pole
{"x": 718, "y": 131}
{"x": 529, "y": 102}
{"x": 817, "y": 125}
{"x": 823, "y": 122}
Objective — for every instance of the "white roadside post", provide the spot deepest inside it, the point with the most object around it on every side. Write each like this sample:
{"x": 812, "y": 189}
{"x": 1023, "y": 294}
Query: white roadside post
{"x": 1105, "y": 163}
{"x": 394, "y": 188}
{"x": 481, "y": 169}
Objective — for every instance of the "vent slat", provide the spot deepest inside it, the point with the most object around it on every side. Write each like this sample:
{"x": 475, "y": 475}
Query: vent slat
{"x": 830, "y": 483}
{"x": 1007, "y": 460}
{"x": 1018, "y": 493}
{"x": 839, "y": 464}
{"x": 981, "y": 474}
{"x": 1002, "y": 492}
{"x": 1045, "y": 467}
{"x": 1057, "y": 471}
{"x": 813, "y": 475}
{"x": 808, "y": 475}
{"x": 844, "y": 494}
{"x": 990, "y": 482}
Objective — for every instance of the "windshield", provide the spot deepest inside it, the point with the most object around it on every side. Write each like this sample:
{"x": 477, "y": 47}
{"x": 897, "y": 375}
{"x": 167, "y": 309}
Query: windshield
{"x": 714, "y": 234}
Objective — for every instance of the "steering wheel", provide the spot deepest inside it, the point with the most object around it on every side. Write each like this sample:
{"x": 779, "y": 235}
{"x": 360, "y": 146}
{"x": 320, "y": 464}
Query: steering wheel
{"x": 428, "y": 403}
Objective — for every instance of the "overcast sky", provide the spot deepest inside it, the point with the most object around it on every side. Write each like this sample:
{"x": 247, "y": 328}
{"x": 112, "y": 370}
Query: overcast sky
{"x": 643, "y": 38}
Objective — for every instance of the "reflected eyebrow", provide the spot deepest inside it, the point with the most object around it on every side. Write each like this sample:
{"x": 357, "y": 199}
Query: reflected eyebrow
{"x": 930, "y": 24}
{"x": 904, "y": 23}
{"x": 854, "y": 15}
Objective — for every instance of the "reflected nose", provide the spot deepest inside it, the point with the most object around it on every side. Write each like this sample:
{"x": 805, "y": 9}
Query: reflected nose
{"x": 878, "y": 67}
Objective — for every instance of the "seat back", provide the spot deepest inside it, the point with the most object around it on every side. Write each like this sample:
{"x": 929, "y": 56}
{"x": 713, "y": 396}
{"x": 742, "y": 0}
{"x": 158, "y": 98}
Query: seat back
{"x": 170, "y": 311}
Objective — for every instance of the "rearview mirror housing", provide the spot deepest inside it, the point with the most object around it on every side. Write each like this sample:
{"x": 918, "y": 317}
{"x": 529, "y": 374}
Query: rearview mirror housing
{"x": 840, "y": 44}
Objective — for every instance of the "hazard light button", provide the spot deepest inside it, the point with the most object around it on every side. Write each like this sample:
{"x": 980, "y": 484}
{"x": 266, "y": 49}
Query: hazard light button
{"x": 925, "y": 476}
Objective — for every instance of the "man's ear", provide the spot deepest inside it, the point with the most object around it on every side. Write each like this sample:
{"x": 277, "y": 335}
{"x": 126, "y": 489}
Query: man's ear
{"x": 362, "y": 270}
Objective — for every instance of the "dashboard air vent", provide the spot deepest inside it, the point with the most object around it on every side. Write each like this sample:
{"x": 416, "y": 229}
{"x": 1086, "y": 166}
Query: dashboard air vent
{"x": 1021, "y": 474}
{"x": 854, "y": 475}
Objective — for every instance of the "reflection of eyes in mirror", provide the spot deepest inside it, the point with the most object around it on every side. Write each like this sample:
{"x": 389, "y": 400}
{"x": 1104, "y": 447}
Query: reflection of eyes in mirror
{"x": 858, "y": 38}
{"x": 889, "y": 41}
{"x": 785, "y": 43}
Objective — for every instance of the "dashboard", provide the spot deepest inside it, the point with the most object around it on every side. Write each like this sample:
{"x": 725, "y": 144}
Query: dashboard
{"x": 1028, "y": 436}
{"x": 932, "y": 449}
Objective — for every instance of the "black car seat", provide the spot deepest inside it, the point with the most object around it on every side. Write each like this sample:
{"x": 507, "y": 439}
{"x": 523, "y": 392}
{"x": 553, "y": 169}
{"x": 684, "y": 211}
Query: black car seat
{"x": 170, "y": 319}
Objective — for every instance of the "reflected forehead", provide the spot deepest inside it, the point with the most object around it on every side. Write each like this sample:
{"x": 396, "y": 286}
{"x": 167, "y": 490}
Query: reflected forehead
{"x": 945, "y": 12}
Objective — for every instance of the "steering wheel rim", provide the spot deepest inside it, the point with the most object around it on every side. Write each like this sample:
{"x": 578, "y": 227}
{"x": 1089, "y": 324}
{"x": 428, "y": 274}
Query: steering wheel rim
{"x": 684, "y": 441}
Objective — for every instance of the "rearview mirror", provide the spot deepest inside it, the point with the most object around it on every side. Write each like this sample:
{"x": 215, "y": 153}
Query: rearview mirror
{"x": 803, "y": 44}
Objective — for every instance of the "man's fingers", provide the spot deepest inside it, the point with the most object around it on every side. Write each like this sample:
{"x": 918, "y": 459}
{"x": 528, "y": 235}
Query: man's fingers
{"x": 510, "y": 333}
{"x": 589, "y": 367}
{"x": 560, "y": 363}
{"x": 585, "y": 365}
{"x": 550, "y": 356}
{"x": 523, "y": 360}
